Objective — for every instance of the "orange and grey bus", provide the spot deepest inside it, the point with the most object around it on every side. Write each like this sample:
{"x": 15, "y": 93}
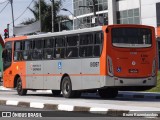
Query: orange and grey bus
{"x": 104, "y": 59}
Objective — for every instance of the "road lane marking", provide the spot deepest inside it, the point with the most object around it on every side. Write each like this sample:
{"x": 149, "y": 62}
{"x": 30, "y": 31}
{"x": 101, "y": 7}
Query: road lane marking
{"x": 65, "y": 107}
{"x": 11, "y": 102}
{"x": 36, "y": 105}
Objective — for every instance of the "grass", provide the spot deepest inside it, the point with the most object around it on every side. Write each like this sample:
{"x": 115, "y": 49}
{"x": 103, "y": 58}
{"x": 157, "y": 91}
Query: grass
{"x": 157, "y": 88}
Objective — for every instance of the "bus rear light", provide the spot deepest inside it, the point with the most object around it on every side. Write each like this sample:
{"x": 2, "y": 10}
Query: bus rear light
{"x": 110, "y": 66}
{"x": 154, "y": 68}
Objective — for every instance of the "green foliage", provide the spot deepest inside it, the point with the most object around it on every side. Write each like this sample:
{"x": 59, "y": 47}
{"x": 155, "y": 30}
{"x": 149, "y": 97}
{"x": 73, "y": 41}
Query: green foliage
{"x": 157, "y": 88}
{"x": 46, "y": 15}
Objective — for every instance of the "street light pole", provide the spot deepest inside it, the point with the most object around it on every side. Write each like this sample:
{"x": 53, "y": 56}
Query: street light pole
{"x": 93, "y": 7}
{"x": 40, "y": 20}
{"x": 53, "y": 15}
{"x": 73, "y": 15}
{"x": 11, "y": 1}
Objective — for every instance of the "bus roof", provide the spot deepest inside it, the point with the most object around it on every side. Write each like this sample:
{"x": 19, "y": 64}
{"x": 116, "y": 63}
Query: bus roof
{"x": 62, "y": 33}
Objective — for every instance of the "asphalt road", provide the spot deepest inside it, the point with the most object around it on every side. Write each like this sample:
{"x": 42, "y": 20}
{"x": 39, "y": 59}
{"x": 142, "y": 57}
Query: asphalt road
{"x": 61, "y": 115}
{"x": 128, "y": 103}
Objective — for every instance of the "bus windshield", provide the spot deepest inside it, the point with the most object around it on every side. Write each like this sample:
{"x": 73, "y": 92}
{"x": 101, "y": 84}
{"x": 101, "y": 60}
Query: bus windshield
{"x": 131, "y": 37}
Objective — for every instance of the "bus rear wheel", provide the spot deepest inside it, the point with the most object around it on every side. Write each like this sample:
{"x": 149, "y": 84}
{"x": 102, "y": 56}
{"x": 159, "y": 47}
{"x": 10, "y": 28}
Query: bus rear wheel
{"x": 108, "y": 93}
{"x": 66, "y": 88}
{"x": 20, "y": 90}
{"x": 56, "y": 92}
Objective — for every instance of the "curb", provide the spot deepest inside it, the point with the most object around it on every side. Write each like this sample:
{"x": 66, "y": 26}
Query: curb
{"x": 62, "y": 107}
{"x": 70, "y": 108}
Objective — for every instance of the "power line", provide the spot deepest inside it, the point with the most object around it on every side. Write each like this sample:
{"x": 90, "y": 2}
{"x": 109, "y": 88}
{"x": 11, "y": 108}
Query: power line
{"x": 4, "y": 8}
{"x": 23, "y": 12}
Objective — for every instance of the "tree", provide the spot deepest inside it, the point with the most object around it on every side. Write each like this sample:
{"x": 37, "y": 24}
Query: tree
{"x": 46, "y": 15}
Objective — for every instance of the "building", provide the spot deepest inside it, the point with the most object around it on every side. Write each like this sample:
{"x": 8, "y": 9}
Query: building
{"x": 145, "y": 12}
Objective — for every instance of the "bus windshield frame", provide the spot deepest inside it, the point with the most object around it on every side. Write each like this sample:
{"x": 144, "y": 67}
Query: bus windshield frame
{"x": 130, "y": 37}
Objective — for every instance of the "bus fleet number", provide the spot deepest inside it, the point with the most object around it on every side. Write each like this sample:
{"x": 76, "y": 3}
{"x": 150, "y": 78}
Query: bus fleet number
{"x": 94, "y": 64}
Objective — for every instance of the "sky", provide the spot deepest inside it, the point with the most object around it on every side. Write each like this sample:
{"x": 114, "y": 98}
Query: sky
{"x": 18, "y": 7}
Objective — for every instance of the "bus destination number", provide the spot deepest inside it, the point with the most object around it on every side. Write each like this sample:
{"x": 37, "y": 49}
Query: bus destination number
{"x": 94, "y": 64}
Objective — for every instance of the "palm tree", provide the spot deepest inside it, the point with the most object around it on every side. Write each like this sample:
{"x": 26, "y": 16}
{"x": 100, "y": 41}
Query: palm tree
{"x": 46, "y": 15}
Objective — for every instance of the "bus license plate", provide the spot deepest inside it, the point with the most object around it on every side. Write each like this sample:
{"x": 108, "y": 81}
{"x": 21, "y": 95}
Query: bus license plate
{"x": 133, "y": 71}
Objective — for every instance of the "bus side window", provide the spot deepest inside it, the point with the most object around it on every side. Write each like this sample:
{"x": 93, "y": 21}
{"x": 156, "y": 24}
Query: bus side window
{"x": 86, "y": 45}
{"x": 60, "y": 47}
{"x": 27, "y": 50}
{"x": 18, "y": 47}
{"x": 72, "y": 46}
{"x": 48, "y": 48}
{"x": 37, "y": 49}
{"x": 98, "y": 44}
{"x": 7, "y": 55}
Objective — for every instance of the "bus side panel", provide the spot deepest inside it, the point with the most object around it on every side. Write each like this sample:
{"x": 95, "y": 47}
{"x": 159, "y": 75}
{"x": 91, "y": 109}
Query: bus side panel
{"x": 103, "y": 60}
{"x": 34, "y": 76}
{"x": 17, "y": 68}
{"x": 72, "y": 67}
{"x": 91, "y": 73}
{"x": 52, "y": 74}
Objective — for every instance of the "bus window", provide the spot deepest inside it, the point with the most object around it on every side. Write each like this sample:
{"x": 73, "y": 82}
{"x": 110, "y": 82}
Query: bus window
{"x": 86, "y": 51}
{"x": 72, "y": 47}
{"x": 48, "y": 48}
{"x": 27, "y": 50}
{"x": 98, "y": 44}
{"x": 60, "y": 47}
{"x": 86, "y": 45}
{"x": 86, "y": 39}
{"x": 37, "y": 53}
{"x": 7, "y": 55}
{"x": 131, "y": 37}
{"x": 18, "y": 54}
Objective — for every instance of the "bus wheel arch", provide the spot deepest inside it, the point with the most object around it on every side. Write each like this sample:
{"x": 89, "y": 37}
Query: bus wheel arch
{"x": 15, "y": 80}
{"x": 66, "y": 87}
{"x": 18, "y": 85}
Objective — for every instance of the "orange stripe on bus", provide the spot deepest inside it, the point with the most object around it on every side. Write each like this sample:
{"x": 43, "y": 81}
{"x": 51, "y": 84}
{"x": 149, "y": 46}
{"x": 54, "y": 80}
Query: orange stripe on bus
{"x": 62, "y": 75}
{"x": 16, "y": 38}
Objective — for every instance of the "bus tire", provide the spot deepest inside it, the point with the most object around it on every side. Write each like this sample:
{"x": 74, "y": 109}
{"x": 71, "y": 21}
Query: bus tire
{"x": 66, "y": 88}
{"x": 108, "y": 93}
{"x": 56, "y": 92}
{"x": 20, "y": 90}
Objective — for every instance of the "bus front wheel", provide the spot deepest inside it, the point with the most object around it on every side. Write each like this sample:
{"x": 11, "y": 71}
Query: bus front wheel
{"x": 67, "y": 88}
{"x": 108, "y": 93}
{"x": 20, "y": 90}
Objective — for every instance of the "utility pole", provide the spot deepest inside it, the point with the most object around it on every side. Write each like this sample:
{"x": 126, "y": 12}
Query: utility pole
{"x": 53, "y": 15}
{"x": 73, "y": 15}
{"x": 8, "y": 29}
{"x": 93, "y": 7}
{"x": 11, "y": 1}
{"x": 40, "y": 20}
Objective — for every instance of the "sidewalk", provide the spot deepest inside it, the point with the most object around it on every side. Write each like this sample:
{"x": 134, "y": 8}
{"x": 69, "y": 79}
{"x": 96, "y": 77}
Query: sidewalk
{"x": 85, "y": 105}
{"x": 3, "y": 88}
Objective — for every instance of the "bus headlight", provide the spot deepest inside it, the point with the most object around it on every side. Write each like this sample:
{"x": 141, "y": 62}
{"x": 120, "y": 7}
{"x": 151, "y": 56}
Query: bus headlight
{"x": 110, "y": 66}
{"x": 154, "y": 68}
